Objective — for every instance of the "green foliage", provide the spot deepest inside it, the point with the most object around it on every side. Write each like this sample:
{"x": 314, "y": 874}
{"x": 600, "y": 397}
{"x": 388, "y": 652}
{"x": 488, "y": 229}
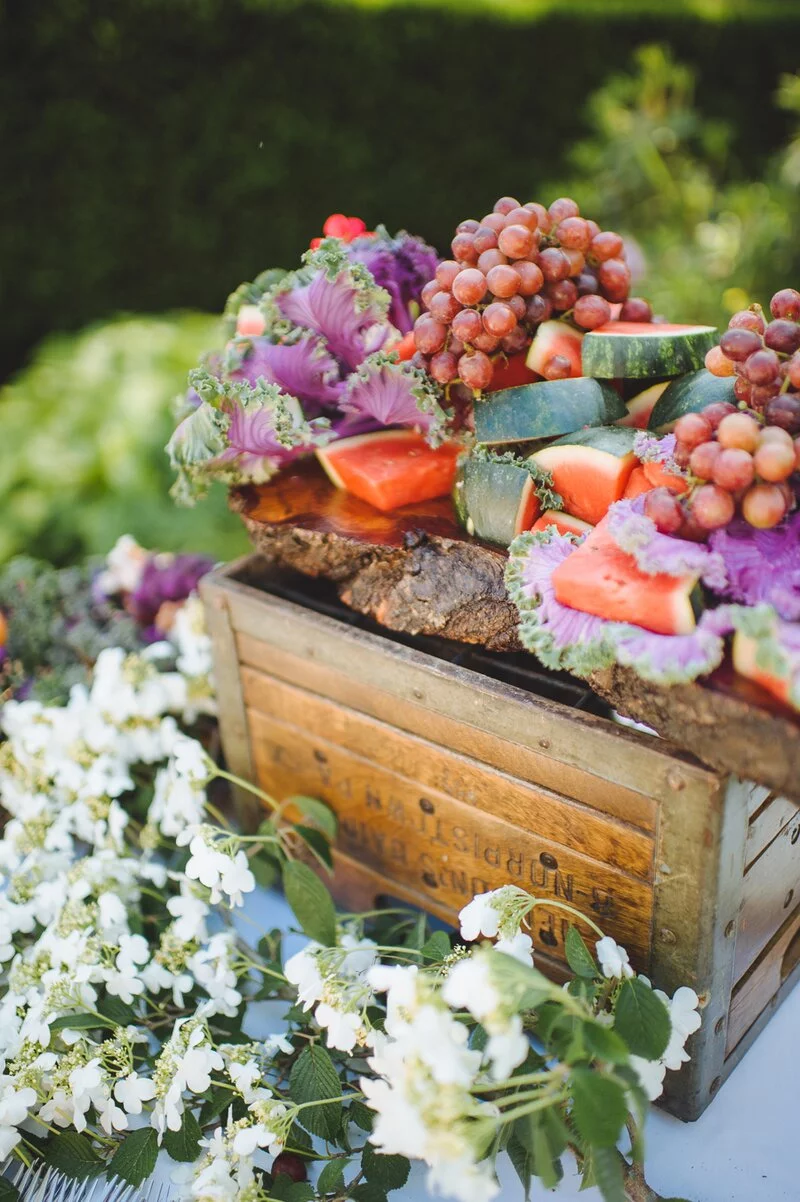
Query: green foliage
{"x": 135, "y": 1158}
{"x": 659, "y": 169}
{"x": 180, "y": 147}
{"x": 184, "y": 1145}
{"x": 315, "y": 1079}
{"x": 82, "y": 448}
{"x": 310, "y": 901}
{"x": 642, "y": 1020}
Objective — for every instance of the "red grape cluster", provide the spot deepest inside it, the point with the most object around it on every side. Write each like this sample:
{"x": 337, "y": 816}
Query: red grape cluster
{"x": 735, "y": 463}
{"x": 765, "y": 358}
{"x": 518, "y": 266}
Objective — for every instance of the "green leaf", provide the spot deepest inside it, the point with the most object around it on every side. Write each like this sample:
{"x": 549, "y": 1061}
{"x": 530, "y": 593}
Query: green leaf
{"x": 388, "y": 1172}
{"x": 599, "y": 1108}
{"x": 317, "y": 812}
{"x": 438, "y": 947}
{"x": 286, "y": 1190}
{"x": 608, "y": 1174}
{"x": 542, "y": 1144}
{"x": 605, "y": 1044}
{"x": 72, "y": 1154}
{"x": 117, "y": 1012}
{"x": 522, "y": 1161}
{"x": 314, "y": 1079}
{"x": 331, "y": 1177}
{"x": 135, "y": 1158}
{"x": 318, "y": 843}
{"x": 75, "y": 1022}
{"x": 367, "y": 1192}
{"x": 642, "y": 1019}
{"x": 311, "y": 902}
{"x": 579, "y": 958}
{"x": 521, "y": 986}
{"x": 216, "y": 1101}
{"x": 8, "y": 1192}
{"x": 184, "y": 1145}
{"x": 264, "y": 868}
{"x": 361, "y": 1115}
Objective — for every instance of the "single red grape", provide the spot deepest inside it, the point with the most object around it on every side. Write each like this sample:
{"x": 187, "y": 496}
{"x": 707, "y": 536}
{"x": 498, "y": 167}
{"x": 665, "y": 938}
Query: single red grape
{"x": 444, "y": 306}
{"x": 523, "y": 216}
{"x": 499, "y": 319}
{"x": 543, "y": 218}
{"x": 774, "y": 461}
{"x": 591, "y": 311}
{"x": 712, "y": 507}
{"x": 444, "y": 367}
{"x": 594, "y": 228}
{"x": 764, "y": 505}
{"x": 539, "y": 309}
{"x": 742, "y": 389}
{"x": 733, "y": 469}
{"x": 518, "y": 305}
{"x": 476, "y": 370}
{"x": 490, "y": 259}
{"x": 606, "y": 245}
{"x": 557, "y": 368}
{"x": 692, "y": 429}
{"x": 469, "y": 286}
{"x": 504, "y": 281}
{"x": 485, "y": 341}
{"x": 563, "y": 294}
{"x": 429, "y": 334}
{"x": 516, "y": 341}
{"x": 554, "y": 264}
{"x": 516, "y": 241}
{"x": 495, "y": 221}
{"x": 467, "y": 325}
{"x": 464, "y": 248}
{"x": 784, "y": 411}
{"x": 703, "y": 458}
{"x": 786, "y": 303}
{"x": 738, "y": 430}
{"x": 446, "y": 272}
{"x": 715, "y": 413}
{"x": 586, "y": 282}
{"x": 573, "y": 233}
{"x": 429, "y": 291}
{"x": 717, "y": 362}
{"x": 506, "y": 204}
{"x": 562, "y": 208}
{"x": 614, "y": 278}
{"x": 636, "y": 308}
{"x": 762, "y": 367}
{"x": 577, "y": 260}
{"x": 739, "y": 344}
{"x": 783, "y": 336}
{"x": 484, "y": 239}
{"x": 664, "y": 509}
{"x": 530, "y": 277}
{"x": 289, "y": 1165}
{"x": 794, "y": 371}
{"x": 467, "y": 227}
{"x": 747, "y": 319}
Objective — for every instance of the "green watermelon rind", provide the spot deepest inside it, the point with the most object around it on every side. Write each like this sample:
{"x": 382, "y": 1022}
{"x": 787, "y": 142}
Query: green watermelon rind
{"x": 608, "y": 356}
{"x": 545, "y": 409}
{"x": 690, "y": 394}
{"x": 614, "y": 440}
{"x": 491, "y": 488}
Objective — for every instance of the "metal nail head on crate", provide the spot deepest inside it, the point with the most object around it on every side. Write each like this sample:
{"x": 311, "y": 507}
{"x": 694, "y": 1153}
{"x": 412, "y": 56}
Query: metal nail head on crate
{"x": 454, "y": 771}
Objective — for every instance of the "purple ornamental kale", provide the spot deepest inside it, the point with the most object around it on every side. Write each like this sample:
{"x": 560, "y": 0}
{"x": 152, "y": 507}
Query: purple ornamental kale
{"x": 352, "y": 325}
{"x": 395, "y": 394}
{"x": 166, "y": 578}
{"x": 304, "y": 369}
{"x": 403, "y": 265}
{"x": 762, "y": 565}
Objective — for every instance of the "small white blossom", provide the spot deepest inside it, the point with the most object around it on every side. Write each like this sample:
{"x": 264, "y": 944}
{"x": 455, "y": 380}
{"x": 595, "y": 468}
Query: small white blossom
{"x": 614, "y": 962}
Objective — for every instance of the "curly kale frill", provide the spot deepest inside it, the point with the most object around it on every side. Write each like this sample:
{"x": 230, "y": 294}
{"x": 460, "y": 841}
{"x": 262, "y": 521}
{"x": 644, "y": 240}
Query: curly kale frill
{"x": 563, "y": 637}
{"x": 239, "y": 433}
{"x": 305, "y": 369}
{"x": 395, "y": 394}
{"x": 662, "y": 554}
{"x": 762, "y": 565}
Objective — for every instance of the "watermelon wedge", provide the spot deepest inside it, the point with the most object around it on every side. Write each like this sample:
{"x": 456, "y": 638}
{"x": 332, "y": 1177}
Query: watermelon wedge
{"x": 690, "y": 394}
{"x": 564, "y": 523}
{"x": 641, "y": 350}
{"x": 659, "y": 476}
{"x": 494, "y": 500}
{"x": 511, "y": 371}
{"x": 745, "y": 657}
{"x": 590, "y": 469}
{"x": 598, "y": 578}
{"x": 545, "y": 409}
{"x": 641, "y": 406}
{"x": 555, "y": 338}
{"x": 637, "y": 484}
{"x": 391, "y": 468}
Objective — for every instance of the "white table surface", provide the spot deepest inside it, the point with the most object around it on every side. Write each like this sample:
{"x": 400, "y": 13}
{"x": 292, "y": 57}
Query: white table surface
{"x": 740, "y": 1150}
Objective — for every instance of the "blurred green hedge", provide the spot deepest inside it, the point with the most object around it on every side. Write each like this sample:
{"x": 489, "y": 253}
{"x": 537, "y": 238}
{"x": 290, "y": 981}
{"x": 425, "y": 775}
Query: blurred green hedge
{"x": 156, "y": 152}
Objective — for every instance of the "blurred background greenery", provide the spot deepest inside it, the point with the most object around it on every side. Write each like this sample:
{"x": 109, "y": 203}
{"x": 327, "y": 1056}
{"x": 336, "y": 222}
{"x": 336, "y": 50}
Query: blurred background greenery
{"x": 157, "y": 152}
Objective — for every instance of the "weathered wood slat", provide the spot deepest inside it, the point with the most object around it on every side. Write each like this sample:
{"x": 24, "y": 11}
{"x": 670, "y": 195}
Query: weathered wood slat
{"x": 629, "y": 805}
{"x": 767, "y": 822}
{"x": 754, "y": 993}
{"x": 771, "y": 889}
{"x": 437, "y": 845}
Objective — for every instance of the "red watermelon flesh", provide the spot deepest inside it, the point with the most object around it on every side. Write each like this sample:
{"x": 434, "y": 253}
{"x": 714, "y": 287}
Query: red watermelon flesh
{"x": 510, "y": 371}
{"x": 391, "y": 468}
{"x": 598, "y": 578}
{"x": 745, "y": 653}
{"x": 564, "y": 523}
{"x": 555, "y": 338}
{"x": 588, "y": 479}
{"x": 661, "y": 477}
{"x": 637, "y": 484}
{"x": 641, "y": 406}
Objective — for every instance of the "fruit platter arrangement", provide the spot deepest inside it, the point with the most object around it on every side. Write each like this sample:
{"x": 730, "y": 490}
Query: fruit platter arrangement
{"x": 507, "y": 436}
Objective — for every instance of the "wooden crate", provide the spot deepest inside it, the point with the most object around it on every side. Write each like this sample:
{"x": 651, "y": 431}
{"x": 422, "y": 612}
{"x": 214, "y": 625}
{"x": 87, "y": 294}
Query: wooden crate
{"x": 454, "y": 771}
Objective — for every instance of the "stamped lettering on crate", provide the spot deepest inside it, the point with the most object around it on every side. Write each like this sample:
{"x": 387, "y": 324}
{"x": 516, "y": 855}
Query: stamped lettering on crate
{"x": 442, "y": 847}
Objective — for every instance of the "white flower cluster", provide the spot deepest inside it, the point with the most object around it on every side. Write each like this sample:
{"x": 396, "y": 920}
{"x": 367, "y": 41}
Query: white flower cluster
{"x": 334, "y": 981}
